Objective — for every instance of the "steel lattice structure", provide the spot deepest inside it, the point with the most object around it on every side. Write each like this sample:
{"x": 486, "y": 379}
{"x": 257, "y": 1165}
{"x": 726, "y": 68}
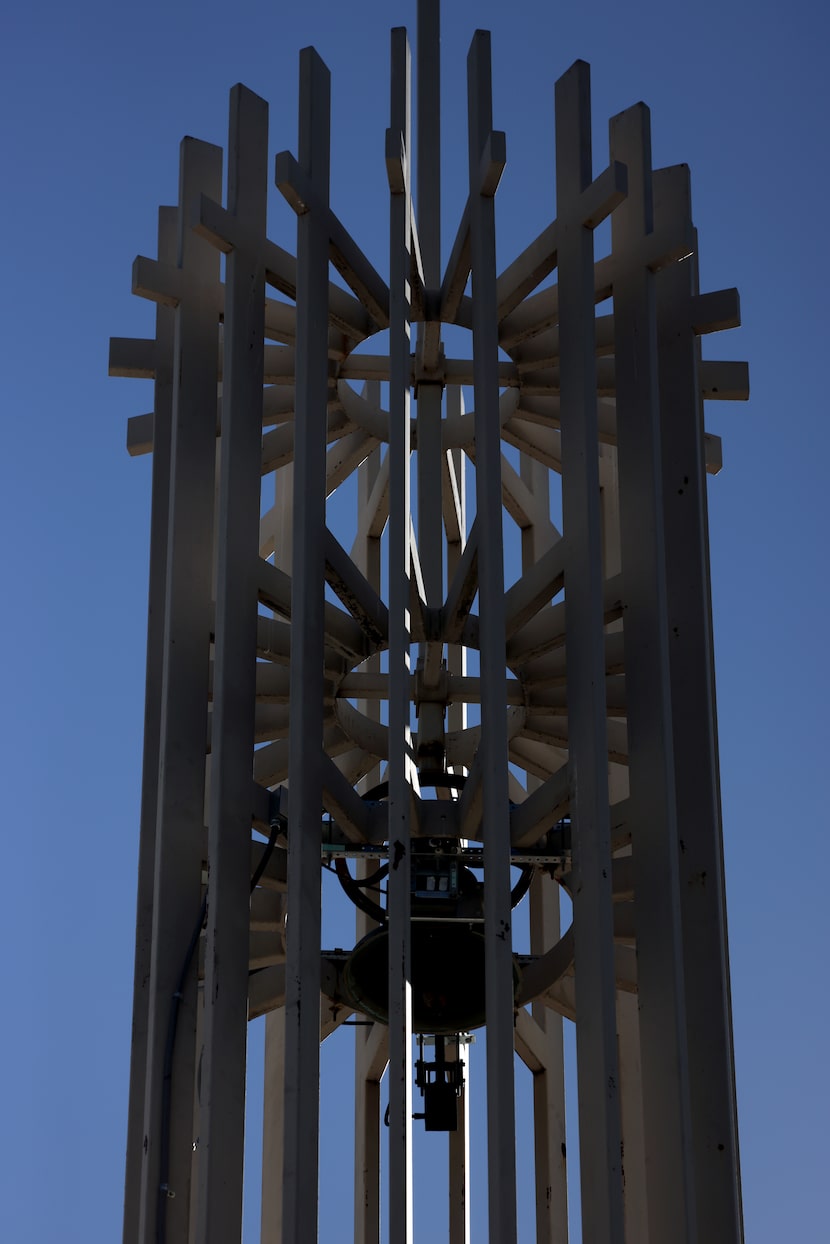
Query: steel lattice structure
{"x": 280, "y": 660}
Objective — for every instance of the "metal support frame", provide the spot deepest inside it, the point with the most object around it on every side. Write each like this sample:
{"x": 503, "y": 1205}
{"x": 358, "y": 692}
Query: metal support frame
{"x": 639, "y": 249}
{"x": 234, "y": 682}
{"x": 581, "y": 205}
{"x": 400, "y": 766}
{"x": 563, "y": 711}
{"x": 501, "y": 1124}
{"x": 302, "y": 1002}
{"x": 179, "y": 847}
{"x": 162, "y": 426}
{"x": 680, "y": 309}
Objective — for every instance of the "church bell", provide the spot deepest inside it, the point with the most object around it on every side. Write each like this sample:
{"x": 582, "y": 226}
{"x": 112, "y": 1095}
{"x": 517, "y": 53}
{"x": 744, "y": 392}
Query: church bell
{"x": 447, "y": 976}
{"x": 448, "y": 994}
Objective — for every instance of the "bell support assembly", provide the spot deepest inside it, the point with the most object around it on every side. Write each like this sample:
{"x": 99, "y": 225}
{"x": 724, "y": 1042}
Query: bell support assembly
{"x": 435, "y": 619}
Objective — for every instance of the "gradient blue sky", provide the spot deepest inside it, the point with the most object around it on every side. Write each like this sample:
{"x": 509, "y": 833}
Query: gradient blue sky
{"x": 95, "y": 98}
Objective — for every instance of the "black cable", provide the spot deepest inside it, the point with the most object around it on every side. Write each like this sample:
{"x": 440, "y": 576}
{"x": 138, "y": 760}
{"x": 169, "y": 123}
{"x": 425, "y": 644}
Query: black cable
{"x": 355, "y": 892}
{"x": 522, "y": 886}
{"x": 369, "y": 883}
{"x": 277, "y": 824}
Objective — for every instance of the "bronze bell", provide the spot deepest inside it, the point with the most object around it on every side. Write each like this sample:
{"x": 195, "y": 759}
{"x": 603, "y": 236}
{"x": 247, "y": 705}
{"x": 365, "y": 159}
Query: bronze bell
{"x": 447, "y": 905}
{"x": 447, "y": 976}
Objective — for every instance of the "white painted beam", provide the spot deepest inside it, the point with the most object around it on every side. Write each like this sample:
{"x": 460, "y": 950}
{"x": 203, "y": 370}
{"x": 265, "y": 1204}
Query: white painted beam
{"x": 302, "y": 1012}
{"x": 398, "y": 575}
{"x": 501, "y": 1123}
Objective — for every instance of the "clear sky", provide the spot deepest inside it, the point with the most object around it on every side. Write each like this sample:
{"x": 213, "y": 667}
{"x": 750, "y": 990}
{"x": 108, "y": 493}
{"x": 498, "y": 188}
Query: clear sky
{"x": 95, "y": 98}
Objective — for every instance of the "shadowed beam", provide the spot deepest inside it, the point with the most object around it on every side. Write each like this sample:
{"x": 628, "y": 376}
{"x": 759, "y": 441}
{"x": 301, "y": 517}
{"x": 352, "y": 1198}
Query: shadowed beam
{"x": 535, "y": 588}
{"x": 462, "y": 590}
{"x": 470, "y": 803}
{"x": 343, "y": 803}
{"x": 345, "y": 254}
{"x": 547, "y": 629}
{"x": 354, "y": 590}
{"x": 541, "y": 810}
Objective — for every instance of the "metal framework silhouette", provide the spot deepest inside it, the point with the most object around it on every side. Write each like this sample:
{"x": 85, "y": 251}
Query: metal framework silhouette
{"x": 440, "y": 716}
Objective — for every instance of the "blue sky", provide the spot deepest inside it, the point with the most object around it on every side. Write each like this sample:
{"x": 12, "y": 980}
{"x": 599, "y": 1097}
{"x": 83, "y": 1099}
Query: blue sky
{"x": 95, "y": 99}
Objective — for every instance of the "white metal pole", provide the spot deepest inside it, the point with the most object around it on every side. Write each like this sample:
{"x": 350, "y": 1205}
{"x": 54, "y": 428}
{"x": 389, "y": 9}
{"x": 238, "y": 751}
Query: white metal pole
{"x": 501, "y": 1123}
{"x": 180, "y": 847}
{"x": 302, "y": 1003}
{"x": 681, "y": 314}
{"x": 579, "y": 208}
{"x": 159, "y": 520}
{"x": 636, "y": 249}
{"x": 400, "y": 750}
{"x": 222, "y": 1133}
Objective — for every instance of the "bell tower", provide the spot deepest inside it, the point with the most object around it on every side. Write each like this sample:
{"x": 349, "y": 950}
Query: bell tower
{"x": 430, "y": 609}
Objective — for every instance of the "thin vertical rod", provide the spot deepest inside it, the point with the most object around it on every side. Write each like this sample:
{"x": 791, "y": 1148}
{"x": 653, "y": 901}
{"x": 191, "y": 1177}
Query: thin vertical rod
{"x": 400, "y": 790}
{"x": 302, "y": 1005}
{"x": 222, "y": 1134}
{"x": 596, "y": 1042}
{"x": 501, "y": 1124}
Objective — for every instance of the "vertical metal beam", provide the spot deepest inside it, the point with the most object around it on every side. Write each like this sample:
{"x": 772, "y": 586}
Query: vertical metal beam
{"x": 651, "y": 765}
{"x": 549, "y": 1136}
{"x": 501, "y": 1123}
{"x": 367, "y": 1147}
{"x": 429, "y": 396}
{"x": 459, "y": 1158}
{"x": 609, "y": 499}
{"x": 273, "y": 1123}
{"x": 702, "y": 895}
{"x": 598, "y": 1074}
{"x": 273, "y": 1106}
{"x": 160, "y": 508}
{"x": 400, "y": 790}
{"x": 455, "y": 505}
{"x": 633, "y": 1167}
{"x": 193, "y": 1233}
{"x": 370, "y": 1065}
{"x": 302, "y": 1005}
{"x": 428, "y": 137}
{"x": 430, "y": 519}
{"x": 367, "y": 556}
{"x": 222, "y": 1134}
{"x": 187, "y": 632}
{"x": 631, "y": 1107}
